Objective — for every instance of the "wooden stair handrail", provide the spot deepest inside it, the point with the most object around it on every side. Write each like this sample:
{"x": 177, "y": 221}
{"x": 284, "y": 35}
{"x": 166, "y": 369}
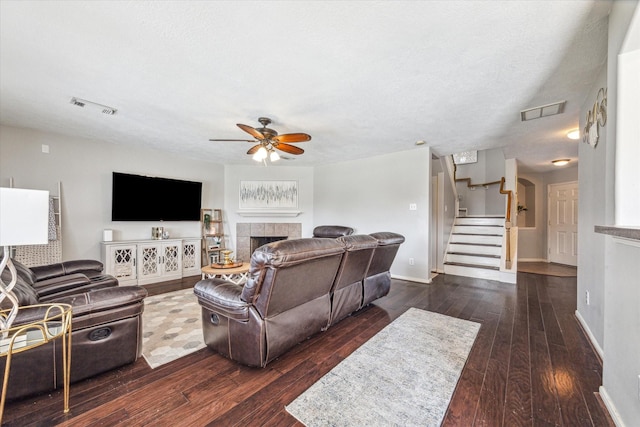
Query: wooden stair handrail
{"x": 470, "y": 185}
{"x": 509, "y": 194}
{"x": 507, "y": 224}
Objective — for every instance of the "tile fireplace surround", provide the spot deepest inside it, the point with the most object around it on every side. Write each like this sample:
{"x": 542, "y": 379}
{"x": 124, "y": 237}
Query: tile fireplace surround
{"x": 246, "y": 230}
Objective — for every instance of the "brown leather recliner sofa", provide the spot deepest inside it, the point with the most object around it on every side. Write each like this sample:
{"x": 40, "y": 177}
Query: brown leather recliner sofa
{"x": 296, "y": 288}
{"x": 106, "y": 324}
{"x": 333, "y": 231}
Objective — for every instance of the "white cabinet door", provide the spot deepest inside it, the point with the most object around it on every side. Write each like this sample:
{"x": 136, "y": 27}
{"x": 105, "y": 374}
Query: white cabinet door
{"x": 120, "y": 262}
{"x": 191, "y": 257}
{"x": 171, "y": 260}
{"x": 149, "y": 266}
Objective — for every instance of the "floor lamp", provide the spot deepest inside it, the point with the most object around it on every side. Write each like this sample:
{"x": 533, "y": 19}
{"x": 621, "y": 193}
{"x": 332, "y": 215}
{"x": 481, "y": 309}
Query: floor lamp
{"x": 24, "y": 220}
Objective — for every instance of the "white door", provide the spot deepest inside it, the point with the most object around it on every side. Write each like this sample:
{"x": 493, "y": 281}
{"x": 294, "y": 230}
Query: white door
{"x": 563, "y": 223}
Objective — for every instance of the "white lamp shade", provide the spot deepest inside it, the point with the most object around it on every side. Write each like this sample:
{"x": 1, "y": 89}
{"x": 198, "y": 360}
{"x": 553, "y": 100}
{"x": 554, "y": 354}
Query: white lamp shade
{"x": 260, "y": 155}
{"x": 24, "y": 217}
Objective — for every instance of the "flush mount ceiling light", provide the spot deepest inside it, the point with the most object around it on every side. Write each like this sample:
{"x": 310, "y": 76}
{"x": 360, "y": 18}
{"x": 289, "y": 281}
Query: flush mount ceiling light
{"x": 84, "y": 103}
{"x": 574, "y": 134}
{"x": 542, "y": 111}
{"x": 560, "y": 162}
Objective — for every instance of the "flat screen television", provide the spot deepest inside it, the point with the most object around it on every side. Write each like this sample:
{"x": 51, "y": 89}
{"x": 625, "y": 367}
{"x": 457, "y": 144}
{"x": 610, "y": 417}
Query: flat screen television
{"x": 146, "y": 198}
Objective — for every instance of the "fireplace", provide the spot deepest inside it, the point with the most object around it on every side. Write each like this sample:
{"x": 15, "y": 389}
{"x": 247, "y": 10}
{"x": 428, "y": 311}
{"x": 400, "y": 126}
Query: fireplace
{"x": 256, "y": 241}
{"x": 246, "y": 232}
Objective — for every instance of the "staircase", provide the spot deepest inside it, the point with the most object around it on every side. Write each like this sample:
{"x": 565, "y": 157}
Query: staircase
{"x": 475, "y": 249}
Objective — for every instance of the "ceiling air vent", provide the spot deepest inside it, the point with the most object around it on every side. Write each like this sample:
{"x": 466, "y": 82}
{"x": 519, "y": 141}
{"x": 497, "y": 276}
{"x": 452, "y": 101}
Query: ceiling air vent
{"x": 103, "y": 108}
{"x": 542, "y": 111}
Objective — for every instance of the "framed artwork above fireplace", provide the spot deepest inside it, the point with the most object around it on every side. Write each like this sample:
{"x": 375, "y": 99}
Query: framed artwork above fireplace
{"x": 268, "y": 195}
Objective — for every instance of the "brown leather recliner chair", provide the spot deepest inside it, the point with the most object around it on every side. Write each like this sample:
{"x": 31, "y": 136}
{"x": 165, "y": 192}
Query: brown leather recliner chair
{"x": 106, "y": 324}
{"x": 347, "y": 292}
{"x": 332, "y": 231}
{"x": 378, "y": 278}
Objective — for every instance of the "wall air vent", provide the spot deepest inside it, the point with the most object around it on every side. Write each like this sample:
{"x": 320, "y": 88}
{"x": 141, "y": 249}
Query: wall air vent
{"x": 104, "y": 109}
{"x": 542, "y": 111}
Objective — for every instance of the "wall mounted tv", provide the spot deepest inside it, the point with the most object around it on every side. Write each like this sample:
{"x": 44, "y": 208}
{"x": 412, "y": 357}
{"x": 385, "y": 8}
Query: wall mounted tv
{"x": 145, "y": 198}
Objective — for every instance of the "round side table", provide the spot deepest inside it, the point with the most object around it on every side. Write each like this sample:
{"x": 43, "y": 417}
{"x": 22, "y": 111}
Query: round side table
{"x": 237, "y": 275}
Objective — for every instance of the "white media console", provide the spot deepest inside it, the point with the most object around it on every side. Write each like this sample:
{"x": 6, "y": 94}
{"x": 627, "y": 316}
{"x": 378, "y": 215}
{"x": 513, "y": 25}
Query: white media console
{"x": 139, "y": 262}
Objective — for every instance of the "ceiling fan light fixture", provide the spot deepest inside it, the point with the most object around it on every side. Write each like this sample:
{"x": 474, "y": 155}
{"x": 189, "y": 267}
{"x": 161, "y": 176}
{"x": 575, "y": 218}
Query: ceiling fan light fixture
{"x": 260, "y": 155}
{"x": 274, "y": 157}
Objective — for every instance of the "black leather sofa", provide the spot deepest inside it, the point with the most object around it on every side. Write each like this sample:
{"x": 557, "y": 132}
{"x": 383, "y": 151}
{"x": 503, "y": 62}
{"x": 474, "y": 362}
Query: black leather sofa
{"x": 106, "y": 324}
{"x": 296, "y": 288}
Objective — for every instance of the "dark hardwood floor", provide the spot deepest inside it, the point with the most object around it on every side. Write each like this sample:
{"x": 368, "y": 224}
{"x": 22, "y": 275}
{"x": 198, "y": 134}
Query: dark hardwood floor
{"x": 531, "y": 364}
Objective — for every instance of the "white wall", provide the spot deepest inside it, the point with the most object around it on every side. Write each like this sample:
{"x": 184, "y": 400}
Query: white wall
{"x": 84, "y": 167}
{"x": 450, "y": 212}
{"x": 627, "y": 152}
{"x": 621, "y": 361}
{"x": 532, "y": 241}
{"x": 595, "y": 194}
{"x": 374, "y": 194}
{"x": 489, "y": 168}
{"x": 258, "y": 172}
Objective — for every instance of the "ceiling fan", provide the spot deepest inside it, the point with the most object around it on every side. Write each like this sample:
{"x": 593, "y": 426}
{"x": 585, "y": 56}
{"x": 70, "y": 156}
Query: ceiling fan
{"x": 268, "y": 141}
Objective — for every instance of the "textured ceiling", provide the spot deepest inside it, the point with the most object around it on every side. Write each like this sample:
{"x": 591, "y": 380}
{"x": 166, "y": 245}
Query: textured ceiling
{"x": 363, "y": 78}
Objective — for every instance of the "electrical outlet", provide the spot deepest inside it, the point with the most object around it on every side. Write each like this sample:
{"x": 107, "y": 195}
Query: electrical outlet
{"x": 411, "y": 261}
{"x": 413, "y": 206}
{"x": 587, "y": 298}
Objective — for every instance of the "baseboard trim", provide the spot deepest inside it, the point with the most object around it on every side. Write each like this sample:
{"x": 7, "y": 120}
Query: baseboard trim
{"x": 592, "y": 338}
{"x": 411, "y": 279}
{"x": 615, "y": 416}
{"x": 532, "y": 260}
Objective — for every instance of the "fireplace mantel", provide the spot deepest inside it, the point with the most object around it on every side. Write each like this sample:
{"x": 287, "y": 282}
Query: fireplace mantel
{"x": 270, "y": 213}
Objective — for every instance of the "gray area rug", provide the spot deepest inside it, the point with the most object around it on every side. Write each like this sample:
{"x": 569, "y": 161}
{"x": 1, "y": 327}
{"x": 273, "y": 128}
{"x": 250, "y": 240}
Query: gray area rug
{"x": 172, "y": 327}
{"x": 404, "y": 376}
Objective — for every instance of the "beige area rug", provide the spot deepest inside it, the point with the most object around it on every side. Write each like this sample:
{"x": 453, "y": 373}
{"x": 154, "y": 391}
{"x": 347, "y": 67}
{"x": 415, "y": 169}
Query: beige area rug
{"x": 548, "y": 269}
{"x": 404, "y": 376}
{"x": 172, "y": 327}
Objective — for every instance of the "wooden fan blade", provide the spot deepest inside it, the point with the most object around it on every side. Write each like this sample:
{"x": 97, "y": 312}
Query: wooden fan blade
{"x": 292, "y": 137}
{"x": 233, "y": 140}
{"x": 291, "y": 149}
{"x": 253, "y": 149}
{"x": 253, "y": 132}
